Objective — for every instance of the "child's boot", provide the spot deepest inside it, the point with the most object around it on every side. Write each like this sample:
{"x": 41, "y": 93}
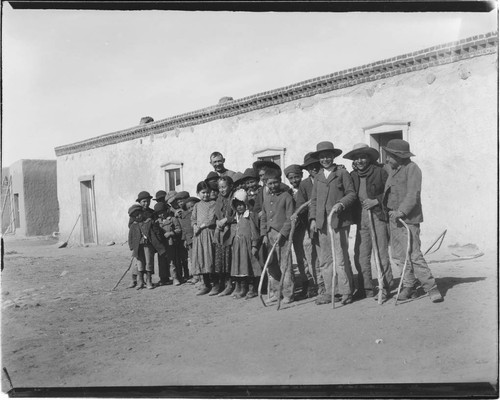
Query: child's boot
{"x": 215, "y": 285}
{"x": 237, "y": 290}
{"x": 134, "y": 282}
{"x": 228, "y": 288}
{"x": 252, "y": 288}
{"x": 174, "y": 275}
{"x": 244, "y": 289}
{"x": 149, "y": 280}
{"x": 140, "y": 280}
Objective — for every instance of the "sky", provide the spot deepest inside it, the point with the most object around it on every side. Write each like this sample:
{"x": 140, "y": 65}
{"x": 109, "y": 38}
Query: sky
{"x": 70, "y": 75}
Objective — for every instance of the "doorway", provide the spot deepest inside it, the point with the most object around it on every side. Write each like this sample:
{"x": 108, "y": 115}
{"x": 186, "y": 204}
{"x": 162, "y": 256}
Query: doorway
{"x": 88, "y": 212}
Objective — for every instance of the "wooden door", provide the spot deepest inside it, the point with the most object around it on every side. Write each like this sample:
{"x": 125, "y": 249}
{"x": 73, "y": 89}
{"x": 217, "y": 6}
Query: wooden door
{"x": 86, "y": 191}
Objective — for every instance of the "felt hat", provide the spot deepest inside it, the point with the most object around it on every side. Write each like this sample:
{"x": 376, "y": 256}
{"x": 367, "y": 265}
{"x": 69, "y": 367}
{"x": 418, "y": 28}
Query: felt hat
{"x": 250, "y": 173}
{"x": 272, "y": 174}
{"x": 399, "y": 147}
{"x": 160, "y": 194}
{"x": 134, "y": 208}
{"x": 237, "y": 178}
{"x": 362, "y": 148}
{"x": 143, "y": 195}
{"x": 160, "y": 206}
{"x": 326, "y": 146}
{"x": 309, "y": 160}
{"x": 211, "y": 176}
{"x": 181, "y": 195}
{"x": 257, "y": 165}
{"x": 295, "y": 168}
{"x": 170, "y": 196}
{"x": 192, "y": 199}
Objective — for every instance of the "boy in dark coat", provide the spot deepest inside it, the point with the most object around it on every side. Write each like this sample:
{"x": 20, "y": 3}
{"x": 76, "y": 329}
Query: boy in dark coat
{"x": 402, "y": 200}
{"x": 333, "y": 190}
{"x": 369, "y": 182}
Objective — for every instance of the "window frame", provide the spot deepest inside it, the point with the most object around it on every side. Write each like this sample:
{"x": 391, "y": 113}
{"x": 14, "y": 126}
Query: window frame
{"x": 172, "y": 166}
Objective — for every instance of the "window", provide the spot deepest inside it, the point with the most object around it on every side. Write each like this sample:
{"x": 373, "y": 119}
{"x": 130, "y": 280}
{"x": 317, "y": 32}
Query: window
{"x": 377, "y": 136}
{"x": 173, "y": 176}
{"x": 274, "y": 154}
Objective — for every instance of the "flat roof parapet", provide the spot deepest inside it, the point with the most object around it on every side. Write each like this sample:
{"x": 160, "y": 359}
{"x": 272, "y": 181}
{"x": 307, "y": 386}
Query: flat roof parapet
{"x": 474, "y": 46}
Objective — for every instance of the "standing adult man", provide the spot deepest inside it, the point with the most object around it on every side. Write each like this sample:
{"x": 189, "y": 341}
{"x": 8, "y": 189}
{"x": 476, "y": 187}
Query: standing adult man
{"x": 369, "y": 182}
{"x": 402, "y": 199}
{"x": 217, "y": 160}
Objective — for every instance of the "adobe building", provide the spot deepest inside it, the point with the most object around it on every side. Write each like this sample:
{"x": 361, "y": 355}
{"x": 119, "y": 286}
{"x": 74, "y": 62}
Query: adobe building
{"x": 29, "y": 198}
{"x": 443, "y": 100}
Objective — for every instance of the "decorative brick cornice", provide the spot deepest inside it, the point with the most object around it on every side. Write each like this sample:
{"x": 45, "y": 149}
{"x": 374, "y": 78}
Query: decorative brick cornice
{"x": 437, "y": 55}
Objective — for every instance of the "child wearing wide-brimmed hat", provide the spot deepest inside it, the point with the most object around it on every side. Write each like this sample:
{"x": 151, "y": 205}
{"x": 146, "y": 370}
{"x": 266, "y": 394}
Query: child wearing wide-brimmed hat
{"x": 246, "y": 268}
{"x": 402, "y": 199}
{"x": 144, "y": 240}
{"x": 203, "y": 223}
{"x": 369, "y": 181}
{"x": 311, "y": 244}
{"x": 333, "y": 191}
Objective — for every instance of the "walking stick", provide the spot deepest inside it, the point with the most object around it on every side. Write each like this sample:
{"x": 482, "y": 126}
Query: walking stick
{"x": 125, "y": 273}
{"x": 293, "y": 220}
{"x": 264, "y": 270}
{"x": 332, "y": 244}
{"x": 407, "y": 258}
{"x": 377, "y": 257}
{"x": 64, "y": 244}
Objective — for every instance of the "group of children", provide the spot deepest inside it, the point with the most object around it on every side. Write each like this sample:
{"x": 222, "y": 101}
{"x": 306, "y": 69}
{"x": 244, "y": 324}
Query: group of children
{"x": 220, "y": 240}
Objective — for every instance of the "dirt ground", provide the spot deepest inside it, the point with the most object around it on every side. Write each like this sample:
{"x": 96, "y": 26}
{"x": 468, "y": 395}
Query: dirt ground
{"x": 62, "y": 326}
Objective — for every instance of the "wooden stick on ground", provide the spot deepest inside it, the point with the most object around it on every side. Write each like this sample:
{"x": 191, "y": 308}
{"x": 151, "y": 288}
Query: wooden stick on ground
{"x": 125, "y": 273}
{"x": 332, "y": 244}
{"x": 264, "y": 271}
{"x": 293, "y": 219}
{"x": 407, "y": 258}
{"x": 377, "y": 257}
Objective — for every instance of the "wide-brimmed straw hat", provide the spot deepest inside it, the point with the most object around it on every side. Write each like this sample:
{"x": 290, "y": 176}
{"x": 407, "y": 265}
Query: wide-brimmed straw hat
{"x": 143, "y": 195}
{"x": 326, "y": 146}
{"x": 257, "y": 165}
{"x": 362, "y": 148}
{"x": 399, "y": 147}
{"x": 309, "y": 160}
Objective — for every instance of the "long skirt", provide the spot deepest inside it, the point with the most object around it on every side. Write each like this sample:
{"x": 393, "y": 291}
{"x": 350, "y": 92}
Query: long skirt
{"x": 244, "y": 262}
{"x": 203, "y": 253}
{"x": 222, "y": 259}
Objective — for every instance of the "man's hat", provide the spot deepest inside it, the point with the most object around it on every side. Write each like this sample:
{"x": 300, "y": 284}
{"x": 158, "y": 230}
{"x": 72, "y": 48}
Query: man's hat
{"x": 192, "y": 199}
{"x": 399, "y": 147}
{"x": 257, "y": 165}
{"x": 309, "y": 160}
{"x": 143, "y": 195}
{"x": 326, "y": 146}
{"x": 134, "y": 208}
{"x": 170, "y": 196}
{"x": 237, "y": 179}
{"x": 250, "y": 173}
{"x": 295, "y": 168}
{"x": 362, "y": 148}
{"x": 181, "y": 195}
{"x": 212, "y": 175}
{"x": 160, "y": 194}
{"x": 159, "y": 207}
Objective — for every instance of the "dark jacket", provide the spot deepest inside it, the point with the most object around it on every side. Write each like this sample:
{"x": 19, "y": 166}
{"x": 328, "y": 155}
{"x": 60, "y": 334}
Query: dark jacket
{"x": 337, "y": 188}
{"x": 223, "y": 210}
{"x": 148, "y": 229}
{"x": 402, "y": 192}
{"x": 276, "y": 212}
{"x": 375, "y": 185}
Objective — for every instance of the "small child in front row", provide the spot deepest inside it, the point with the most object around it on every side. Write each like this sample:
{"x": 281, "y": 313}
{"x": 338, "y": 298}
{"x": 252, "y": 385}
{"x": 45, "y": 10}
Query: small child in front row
{"x": 203, "y": 222}
{"x": 144, "y": 240}
{"x": 171, "y": 230}
{"x": 246, "y": 268}
{"x": 187, "y": 235}
{"x": 275, "y": 226}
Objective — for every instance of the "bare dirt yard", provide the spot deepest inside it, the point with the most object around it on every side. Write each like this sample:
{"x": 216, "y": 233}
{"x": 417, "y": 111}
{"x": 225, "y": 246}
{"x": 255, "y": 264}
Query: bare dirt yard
{"x": 62, "y": 326}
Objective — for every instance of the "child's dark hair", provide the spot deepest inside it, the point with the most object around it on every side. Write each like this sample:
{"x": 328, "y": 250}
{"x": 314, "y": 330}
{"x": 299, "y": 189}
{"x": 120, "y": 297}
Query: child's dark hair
{"x": 202, "y": 186}
{"x": 226, "y": 179}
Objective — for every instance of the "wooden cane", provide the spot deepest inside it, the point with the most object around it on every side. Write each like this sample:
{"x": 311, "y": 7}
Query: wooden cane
{"x": 407, "y": 258}
{"x": 376, "y": 254}
{"x": 264, "y": 271}
{"x": 125, "y": 273}
{"x": 293, "y": 220}
{"x": 332, "y": 244}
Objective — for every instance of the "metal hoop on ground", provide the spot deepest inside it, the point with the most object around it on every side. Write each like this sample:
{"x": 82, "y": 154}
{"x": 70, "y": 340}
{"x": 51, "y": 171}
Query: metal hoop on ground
{"x": 407, "y": 258}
